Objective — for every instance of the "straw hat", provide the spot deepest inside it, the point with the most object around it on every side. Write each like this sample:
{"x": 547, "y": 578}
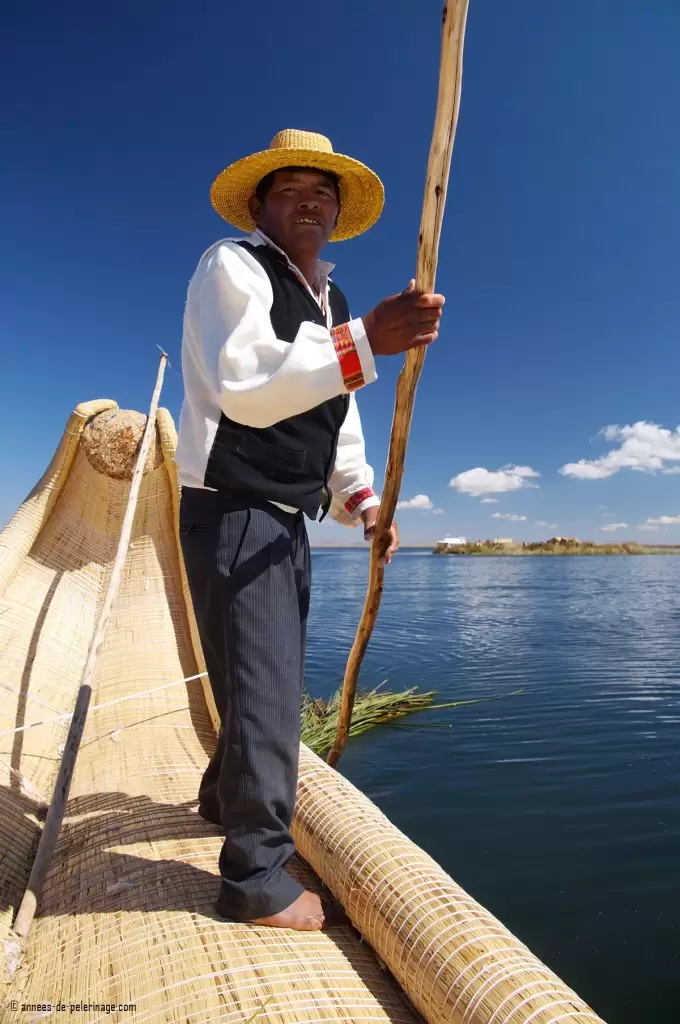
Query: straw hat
{"x": 361, "y": 191}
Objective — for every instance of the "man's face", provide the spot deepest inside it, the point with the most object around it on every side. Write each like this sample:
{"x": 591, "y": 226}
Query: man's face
{"x": 300, "y": 210}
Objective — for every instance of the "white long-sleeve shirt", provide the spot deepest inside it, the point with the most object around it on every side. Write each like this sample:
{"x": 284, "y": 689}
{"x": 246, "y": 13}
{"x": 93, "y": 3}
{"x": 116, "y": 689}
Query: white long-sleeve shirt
{"x": 233, "y": 363}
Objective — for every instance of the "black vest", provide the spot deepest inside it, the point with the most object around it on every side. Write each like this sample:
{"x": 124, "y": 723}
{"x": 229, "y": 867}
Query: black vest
{"x": 291, "y": 461}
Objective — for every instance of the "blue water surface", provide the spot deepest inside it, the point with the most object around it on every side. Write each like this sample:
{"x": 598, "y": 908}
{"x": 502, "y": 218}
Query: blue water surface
{"x": 557, "y": 808}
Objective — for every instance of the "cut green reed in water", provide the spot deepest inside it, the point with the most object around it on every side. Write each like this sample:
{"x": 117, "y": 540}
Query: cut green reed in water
{"x": 371, "y": 709}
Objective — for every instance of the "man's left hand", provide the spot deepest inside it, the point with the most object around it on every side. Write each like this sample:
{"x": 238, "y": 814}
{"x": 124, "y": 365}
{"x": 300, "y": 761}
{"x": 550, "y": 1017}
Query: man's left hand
{"x": 369, "y": 517}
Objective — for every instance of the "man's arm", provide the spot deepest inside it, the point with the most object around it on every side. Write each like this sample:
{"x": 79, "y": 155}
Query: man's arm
{"x": 352, "y": 480}
{"x": 264, "y": 379}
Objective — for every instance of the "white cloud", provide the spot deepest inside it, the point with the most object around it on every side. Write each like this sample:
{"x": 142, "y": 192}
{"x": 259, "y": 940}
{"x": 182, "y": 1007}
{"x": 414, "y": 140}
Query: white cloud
{"x": 437, "y": 511}
{"x": 485, "y": 481}
{"x": 489, "y": 501}
{"x": 612, "y": 527}
{"x": 672, "y": 471}
{"x": 542, "y": 522}
{"x": 507, "y": 515}
{"x": 644, "y": 447}
{"x": 657, "y": 522}
{"x": 420, "y": 501}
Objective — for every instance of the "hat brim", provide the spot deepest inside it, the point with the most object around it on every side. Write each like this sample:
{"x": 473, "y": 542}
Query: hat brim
{"x": 362, "y": 194}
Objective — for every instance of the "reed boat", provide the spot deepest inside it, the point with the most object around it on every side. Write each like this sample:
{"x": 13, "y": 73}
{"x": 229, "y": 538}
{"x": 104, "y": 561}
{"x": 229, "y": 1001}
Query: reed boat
{"x": 125, "y": 928}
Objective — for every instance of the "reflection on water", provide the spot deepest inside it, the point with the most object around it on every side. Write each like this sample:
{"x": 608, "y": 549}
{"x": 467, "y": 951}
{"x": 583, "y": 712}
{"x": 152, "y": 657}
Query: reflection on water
{"x": 560, "y": 808}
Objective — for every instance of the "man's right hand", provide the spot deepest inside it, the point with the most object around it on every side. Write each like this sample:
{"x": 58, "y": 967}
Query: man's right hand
{"x": 406, "y": 320}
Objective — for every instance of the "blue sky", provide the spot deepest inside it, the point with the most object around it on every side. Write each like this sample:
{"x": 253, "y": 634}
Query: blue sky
{"x": 560, "y": 255}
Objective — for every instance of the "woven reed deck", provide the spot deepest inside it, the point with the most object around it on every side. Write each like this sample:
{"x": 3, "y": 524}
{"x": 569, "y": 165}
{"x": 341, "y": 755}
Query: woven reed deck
{"x": 126, "y": 916}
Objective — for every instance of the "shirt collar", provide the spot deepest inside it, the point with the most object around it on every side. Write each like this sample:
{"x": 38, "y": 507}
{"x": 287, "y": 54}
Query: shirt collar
{"x": 325, "y": 269}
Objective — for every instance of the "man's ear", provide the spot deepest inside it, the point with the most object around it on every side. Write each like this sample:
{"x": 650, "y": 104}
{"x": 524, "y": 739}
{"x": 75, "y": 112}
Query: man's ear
{"x": 254, "y": 208}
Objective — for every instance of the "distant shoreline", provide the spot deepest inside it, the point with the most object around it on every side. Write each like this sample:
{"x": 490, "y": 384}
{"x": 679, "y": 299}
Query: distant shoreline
{"x": 555, "y": 547}
{"x": 516, "y": 550}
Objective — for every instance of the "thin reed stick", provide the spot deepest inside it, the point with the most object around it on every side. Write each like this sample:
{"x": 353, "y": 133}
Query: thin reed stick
{"x": 436, "y": 183}
{"x": 55, "y": 813}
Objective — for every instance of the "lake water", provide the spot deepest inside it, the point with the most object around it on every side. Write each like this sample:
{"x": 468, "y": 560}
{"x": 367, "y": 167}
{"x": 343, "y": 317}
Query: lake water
{"x": 558, "y": 809}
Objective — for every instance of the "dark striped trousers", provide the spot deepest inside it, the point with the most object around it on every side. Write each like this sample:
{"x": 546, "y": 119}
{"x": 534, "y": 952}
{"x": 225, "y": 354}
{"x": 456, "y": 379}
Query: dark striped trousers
{"x": 248, "y": 568}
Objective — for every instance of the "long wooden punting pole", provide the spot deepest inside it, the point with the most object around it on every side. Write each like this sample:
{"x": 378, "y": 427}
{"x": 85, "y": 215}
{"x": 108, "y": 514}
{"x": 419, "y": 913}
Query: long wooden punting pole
{"x": 55, "y": 812}
{"x": 436, "y": 182}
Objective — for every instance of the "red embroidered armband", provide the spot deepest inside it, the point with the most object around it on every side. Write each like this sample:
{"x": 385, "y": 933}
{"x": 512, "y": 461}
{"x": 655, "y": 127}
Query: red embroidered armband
{"x": 348, "y": 357}
{"x": 354, "y": 500}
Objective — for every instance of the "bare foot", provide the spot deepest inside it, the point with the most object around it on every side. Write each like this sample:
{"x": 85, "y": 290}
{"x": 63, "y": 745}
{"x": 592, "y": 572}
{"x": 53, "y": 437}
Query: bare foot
{"x": 304, "y": 915}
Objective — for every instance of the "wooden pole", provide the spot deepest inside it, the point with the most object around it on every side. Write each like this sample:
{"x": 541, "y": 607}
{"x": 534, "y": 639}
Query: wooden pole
{"x": 55, "y": 812}
{"x": 436, "y": 183}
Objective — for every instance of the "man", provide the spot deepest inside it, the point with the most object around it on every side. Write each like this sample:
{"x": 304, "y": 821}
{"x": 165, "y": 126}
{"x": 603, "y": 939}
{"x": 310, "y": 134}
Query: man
{"x": 270, "y": 433}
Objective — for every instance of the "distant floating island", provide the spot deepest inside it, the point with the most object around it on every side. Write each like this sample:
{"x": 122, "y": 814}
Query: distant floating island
{"x": 554, "y": 546}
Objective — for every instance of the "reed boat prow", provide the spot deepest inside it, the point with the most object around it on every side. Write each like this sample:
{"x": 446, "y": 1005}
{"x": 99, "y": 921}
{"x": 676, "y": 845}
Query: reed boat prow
{"x": 126, "y": 915}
